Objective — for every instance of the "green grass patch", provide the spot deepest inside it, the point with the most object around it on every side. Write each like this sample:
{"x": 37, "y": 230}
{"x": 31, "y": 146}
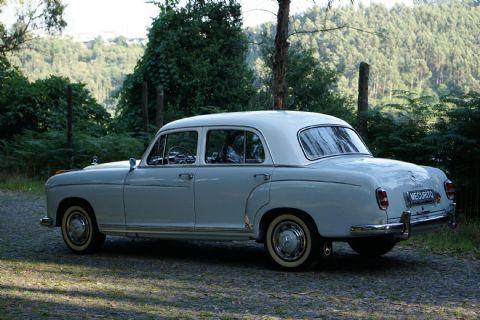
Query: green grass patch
{"x": 13, "y": 182}
{"x": 464, "y": 240}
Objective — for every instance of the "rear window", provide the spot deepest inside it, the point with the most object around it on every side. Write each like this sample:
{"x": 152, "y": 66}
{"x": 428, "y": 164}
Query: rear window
{"x": 318, "y": 142}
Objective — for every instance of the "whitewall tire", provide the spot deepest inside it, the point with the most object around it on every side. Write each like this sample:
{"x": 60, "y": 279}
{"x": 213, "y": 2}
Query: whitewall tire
{"x": 80, "y": 231}
{"x": 292, "y": 243}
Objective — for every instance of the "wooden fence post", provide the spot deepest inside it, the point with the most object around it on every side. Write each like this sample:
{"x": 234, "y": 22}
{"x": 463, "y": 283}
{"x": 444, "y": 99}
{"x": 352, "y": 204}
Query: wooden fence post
{"x": 70, "y": 125}
{"x": 362, "y": 110}
{"x": 160, "y": 112}
{"x": 145, "y": 110}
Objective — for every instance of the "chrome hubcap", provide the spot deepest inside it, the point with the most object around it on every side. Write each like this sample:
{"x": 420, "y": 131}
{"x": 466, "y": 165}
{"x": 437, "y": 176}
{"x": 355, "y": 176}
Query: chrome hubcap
{"x": 78, "y": 228}
{"x": 289, "y": 241}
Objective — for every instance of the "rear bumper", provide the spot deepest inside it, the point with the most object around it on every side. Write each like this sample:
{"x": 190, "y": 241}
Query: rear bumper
{"x": 403, "y": 228}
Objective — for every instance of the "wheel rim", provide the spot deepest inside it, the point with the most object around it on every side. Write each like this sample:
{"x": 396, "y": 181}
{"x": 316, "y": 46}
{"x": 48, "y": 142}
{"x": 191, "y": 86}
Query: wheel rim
{"x": 289, "y": 241}
{"x": 78, "y": 228}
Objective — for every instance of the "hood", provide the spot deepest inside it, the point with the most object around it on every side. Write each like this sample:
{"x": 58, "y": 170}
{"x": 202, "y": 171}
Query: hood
{"x": 110, "y": 165}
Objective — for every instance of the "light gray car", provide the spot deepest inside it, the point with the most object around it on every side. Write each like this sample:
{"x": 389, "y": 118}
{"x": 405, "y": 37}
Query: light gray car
{"x": 295, "y": 181}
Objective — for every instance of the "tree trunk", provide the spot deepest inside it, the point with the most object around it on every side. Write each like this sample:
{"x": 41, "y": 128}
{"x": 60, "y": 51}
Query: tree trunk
{"x": 281, "y": 49}
{"x": 362, "y": 98}
{"x": 160, "y": 112}
{"x": 70, "y": 125}
{"x": 145, "y": 110}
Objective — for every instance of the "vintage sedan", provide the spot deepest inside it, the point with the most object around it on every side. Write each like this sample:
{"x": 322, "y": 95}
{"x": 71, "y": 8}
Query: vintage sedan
{"x": 295, "y": 181}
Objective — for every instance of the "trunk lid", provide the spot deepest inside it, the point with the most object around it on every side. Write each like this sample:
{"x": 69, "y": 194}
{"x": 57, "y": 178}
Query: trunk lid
{"x": 396, "y": 177}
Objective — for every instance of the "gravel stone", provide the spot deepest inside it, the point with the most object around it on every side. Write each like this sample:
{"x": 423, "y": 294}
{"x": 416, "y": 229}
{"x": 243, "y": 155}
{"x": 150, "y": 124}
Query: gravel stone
{"x": 148, "y": 279}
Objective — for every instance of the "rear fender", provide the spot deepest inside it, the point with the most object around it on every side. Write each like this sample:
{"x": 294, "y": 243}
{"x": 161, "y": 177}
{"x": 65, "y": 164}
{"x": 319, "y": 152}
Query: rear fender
{"x": 334, "y": 206}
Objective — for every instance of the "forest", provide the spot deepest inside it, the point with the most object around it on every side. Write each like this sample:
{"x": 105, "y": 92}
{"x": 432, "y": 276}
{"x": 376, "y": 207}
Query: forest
{"x": 430, "y": 49}
{"x": 424, "y": 83}
{"x": 101, "y": 65}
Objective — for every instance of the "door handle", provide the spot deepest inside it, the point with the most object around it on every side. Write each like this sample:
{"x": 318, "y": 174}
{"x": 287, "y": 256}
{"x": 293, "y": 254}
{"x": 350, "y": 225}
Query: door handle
{"x": 188, "y": 176}
{"x": 265, "y": 176}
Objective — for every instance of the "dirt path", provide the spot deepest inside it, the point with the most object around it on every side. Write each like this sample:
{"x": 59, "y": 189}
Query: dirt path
{"x": 40, "y": 278}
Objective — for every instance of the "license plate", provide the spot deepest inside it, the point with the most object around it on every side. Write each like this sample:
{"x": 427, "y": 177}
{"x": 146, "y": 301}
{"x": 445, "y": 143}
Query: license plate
{"x": 418, "y": 197}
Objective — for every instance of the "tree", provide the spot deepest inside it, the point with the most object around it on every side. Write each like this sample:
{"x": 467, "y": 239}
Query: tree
{"x": 197, "y": 52}
{"x": 309, "y": 84}
{"x": 41, "y": 106}
{"x": 32, "y": 16}
{"x": 427, "y": 48}
{"x": 281, "y": 51}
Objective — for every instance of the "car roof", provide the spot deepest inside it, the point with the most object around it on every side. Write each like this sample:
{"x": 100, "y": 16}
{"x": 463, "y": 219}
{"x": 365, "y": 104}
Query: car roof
{"x": 257, "y": 119}
{"x": 279, "y": 129}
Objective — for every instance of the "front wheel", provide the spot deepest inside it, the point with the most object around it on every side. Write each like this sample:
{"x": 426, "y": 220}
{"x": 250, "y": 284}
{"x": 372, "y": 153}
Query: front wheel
{"x": 293, "y": 244}
{"x": 80, "y": 231}
{"x": 372, "y": 247}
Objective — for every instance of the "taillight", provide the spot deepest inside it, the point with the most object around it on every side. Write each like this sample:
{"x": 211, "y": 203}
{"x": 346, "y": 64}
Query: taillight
{"x": 449, "y": 189}
{"x": 382, "y": 198}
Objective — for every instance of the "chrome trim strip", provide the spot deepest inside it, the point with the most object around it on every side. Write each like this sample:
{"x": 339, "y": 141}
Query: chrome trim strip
{"x": 46, "y": 222}
{"x": 216, "y": 231}
{"x": 220, "y": 229}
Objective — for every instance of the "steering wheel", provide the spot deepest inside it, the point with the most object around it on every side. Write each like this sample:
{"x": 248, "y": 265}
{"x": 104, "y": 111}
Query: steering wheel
{"x": 187, "y": 154}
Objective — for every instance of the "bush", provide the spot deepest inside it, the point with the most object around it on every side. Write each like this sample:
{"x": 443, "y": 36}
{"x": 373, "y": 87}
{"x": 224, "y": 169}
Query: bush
{"x": 41, "y": 154}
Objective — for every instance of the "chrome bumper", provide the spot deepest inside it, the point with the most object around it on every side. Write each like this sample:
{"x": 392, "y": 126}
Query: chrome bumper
{"x": 46, "y": 222}
{"x": 403, "y": 228}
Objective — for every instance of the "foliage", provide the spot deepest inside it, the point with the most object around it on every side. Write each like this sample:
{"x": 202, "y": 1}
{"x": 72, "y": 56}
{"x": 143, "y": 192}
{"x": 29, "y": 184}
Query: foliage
{"x": 197, "y": 52}
{"x": 442, "y": 133}
{"x": 99, "y": 64}
{"x": 21, "y": 182}
{"x": 400, "y": 130}
{"x": 42, "y": 105}
{"x": 35, "y": 15}
{"x": 429, "y": 48}
{"x": 310, "y": 85}
{"x": 459, "y": 125}
{"x": 41, "y": 154}
{"x": 465, "y": 240}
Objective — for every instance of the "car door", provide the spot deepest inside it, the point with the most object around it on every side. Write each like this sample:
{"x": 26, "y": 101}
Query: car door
{"x": 158, "y": 194}
{"x": 235, "y": 165}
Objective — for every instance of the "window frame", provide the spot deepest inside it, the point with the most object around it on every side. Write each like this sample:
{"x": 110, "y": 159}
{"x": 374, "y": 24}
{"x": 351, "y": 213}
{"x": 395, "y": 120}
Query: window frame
{"x": 145, "y": 164}
{"x": 267, "y": 161}
{"x": 334, "y": 154}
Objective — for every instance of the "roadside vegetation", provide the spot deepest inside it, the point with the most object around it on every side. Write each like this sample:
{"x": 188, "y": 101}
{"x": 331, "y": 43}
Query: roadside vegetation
{"x": 18, "y": 183}
{"x": 463, "y": 241}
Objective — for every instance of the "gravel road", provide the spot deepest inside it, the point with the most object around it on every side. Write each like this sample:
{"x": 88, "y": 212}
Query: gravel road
{"x": 40, "y": 278}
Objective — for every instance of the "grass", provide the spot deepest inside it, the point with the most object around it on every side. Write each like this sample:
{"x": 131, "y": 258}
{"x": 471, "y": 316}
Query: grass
{"x": 464, "y": 240}
{"x": 15, "y": 182}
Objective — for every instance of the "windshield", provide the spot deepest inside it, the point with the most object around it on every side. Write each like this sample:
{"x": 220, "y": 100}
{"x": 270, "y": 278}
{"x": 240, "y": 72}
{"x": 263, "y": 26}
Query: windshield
{"x": 318, "y": 142}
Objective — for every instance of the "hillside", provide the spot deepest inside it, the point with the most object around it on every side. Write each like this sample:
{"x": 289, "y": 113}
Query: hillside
{"x": 431, "y": 48}
{"x": 101, "y": 65}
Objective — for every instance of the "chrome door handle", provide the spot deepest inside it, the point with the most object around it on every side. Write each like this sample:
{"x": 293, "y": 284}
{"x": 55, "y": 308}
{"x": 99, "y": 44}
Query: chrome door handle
{"x": 188, "y": 176}
{"x": 265, "y": 176}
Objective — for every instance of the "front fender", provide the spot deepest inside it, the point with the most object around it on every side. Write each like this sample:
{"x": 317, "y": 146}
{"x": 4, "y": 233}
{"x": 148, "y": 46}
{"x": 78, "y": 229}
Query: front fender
{"x": 334, "y": 206}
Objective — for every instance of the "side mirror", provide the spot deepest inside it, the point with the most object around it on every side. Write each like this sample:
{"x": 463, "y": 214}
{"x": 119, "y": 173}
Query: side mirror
{"x": 133, "y": 164}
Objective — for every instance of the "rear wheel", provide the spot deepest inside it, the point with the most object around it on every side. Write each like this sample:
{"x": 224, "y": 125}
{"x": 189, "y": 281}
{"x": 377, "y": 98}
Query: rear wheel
{"x": 293, "y": 244}
{"x": 372, "y": 247}
{"x": 80, "y": 231}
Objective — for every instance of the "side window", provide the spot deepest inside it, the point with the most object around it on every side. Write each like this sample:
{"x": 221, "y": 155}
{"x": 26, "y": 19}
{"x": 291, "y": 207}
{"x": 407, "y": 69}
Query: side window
{"x": 181, "y": 147}
{"x": 254, "y": 149}
{"x": 233, "y": 146}
{"x": 174, "y": 148}
{"x": 155, "y": 157}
